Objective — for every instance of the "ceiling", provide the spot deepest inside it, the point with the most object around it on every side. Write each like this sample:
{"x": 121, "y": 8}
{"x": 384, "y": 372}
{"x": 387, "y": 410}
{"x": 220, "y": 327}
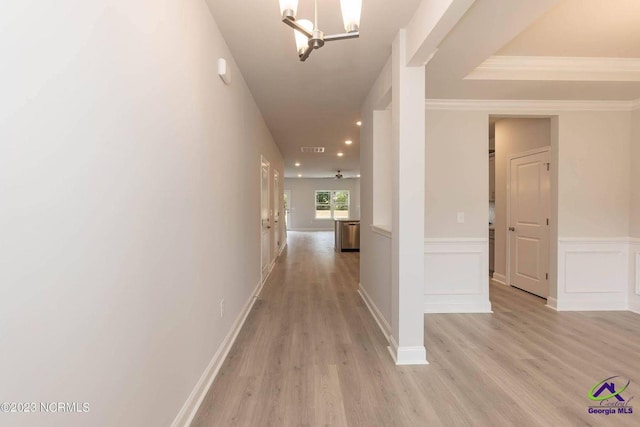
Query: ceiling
{"x": 584, "y": 28}
{"x": 526, "y": 30}
{"x": 317, "y": 102}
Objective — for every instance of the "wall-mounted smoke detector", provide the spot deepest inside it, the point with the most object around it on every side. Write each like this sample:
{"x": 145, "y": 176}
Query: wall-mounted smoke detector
{"x": 312, "y": 149}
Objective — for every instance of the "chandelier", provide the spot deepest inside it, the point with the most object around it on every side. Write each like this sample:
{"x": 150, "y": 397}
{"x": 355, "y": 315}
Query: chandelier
{"x": 308, "y": 35}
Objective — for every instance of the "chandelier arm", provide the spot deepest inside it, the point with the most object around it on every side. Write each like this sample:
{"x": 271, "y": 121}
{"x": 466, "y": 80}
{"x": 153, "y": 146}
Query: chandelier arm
{"x": 306, "y": 54}
{"x": 293, "y": 24}
{"x": 343, "y": 36}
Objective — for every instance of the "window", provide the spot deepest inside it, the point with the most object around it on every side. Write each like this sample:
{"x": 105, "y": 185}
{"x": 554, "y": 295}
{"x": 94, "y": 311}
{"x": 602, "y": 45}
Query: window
{"x": 332, "y": 204}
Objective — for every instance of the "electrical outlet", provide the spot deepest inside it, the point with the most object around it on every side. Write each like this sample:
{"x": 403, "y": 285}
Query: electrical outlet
{"x": 222, "y": 308}
{"x": 460, "y": 217}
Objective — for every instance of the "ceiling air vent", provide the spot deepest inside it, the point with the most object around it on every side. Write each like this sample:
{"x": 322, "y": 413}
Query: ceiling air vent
{"x": 312, "y": 149}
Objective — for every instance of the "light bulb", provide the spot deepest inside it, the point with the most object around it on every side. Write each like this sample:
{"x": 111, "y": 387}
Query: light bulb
{"x": 302, "y": 41}
{"x": 351, "y": 10}
{"x": 289, "y": 8}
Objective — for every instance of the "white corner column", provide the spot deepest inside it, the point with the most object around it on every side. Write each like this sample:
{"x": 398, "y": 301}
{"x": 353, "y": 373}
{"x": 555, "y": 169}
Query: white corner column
{"x": 407, "y": 268}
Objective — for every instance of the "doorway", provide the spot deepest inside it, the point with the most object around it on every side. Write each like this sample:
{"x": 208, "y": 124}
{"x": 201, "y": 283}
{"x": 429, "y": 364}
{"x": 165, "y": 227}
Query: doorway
{"x": 276, "y": 214}
{"x": 520, "y": 202}
{"x": 287, "y": 209}
{"x": 265, "y": 224}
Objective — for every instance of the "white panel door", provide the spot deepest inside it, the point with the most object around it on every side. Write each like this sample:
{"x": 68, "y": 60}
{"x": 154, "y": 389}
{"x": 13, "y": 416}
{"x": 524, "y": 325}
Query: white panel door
{"x": 528, "y": 232}
{"x": 265, "y": 217}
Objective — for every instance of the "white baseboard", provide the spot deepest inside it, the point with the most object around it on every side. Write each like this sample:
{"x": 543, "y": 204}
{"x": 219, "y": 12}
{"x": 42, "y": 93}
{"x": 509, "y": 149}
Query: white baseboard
{"x": 284, "y": 245}
{"x": 266, "y": 276}
{"x": 311, "y": 229}
{"x": 593, "y": 274}
{"x": 190, "y": 408}
{"x": 634, "y": 307}
{"x": 552, "y": 303}
{"x": 407, "y": 355}
{"x": 456, "y": 275}
{"x": 384, "y": 326}
{"x": 499, "y": 278}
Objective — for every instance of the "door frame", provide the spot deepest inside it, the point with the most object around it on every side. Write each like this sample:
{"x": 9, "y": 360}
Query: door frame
{"x": 264, "y": 273}
{"x": 276, "y": 213}
{"x": 287, "y": 212}
{"x": 552, "y": 213}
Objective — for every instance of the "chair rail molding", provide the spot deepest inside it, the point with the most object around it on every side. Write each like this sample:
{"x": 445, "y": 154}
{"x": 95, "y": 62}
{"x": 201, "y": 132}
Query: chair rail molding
{"x": 382, "y": 230}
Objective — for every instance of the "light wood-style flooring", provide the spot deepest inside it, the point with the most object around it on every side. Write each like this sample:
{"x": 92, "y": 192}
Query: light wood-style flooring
{"x": 311, "y": 354}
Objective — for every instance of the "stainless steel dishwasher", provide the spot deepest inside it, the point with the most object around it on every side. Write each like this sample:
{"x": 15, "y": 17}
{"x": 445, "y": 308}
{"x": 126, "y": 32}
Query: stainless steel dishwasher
{"x": 347, "y": 235}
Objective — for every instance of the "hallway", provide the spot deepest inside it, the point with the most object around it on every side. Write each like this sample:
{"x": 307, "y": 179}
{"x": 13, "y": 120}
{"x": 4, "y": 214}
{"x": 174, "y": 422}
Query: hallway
{"x": 311, "y": 354}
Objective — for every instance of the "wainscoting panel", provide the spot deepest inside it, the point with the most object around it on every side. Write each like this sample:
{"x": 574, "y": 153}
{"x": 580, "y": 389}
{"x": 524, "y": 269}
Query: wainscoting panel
{"x": 635, "y": 248}
{"x": 634, "y": 275}
{"x": 456, "y": 275}
{"x": 593, "y": 274}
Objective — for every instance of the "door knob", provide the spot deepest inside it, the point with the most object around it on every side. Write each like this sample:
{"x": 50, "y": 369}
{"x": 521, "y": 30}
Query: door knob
{"x": 512, "y": 229}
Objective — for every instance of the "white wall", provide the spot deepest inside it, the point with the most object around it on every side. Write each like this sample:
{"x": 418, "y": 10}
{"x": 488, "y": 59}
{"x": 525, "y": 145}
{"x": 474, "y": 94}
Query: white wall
{"x": 382, "y": 168}
{"x": 375, "y": 247}
{"x": 594, "y": 184}
{"x": 129, "y": 183}
{"x": 512, "y": 136}
{"x": 457, "y": 181}
{"x": 593, "y": 210}
{"x": 302, "y": 202}
{"x": 634, "y": 219}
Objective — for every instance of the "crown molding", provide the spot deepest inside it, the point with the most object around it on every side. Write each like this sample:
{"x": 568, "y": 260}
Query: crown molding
{"x": 497, "y": 106}
{"x": 557, "y": 69}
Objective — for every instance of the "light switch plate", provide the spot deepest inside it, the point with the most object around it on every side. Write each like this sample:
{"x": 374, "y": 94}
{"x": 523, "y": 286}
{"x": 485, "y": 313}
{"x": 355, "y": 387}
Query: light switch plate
{"x": 223, "y": 71}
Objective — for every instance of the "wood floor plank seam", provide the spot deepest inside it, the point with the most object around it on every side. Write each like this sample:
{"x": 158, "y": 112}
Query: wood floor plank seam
{"x": 311, "y": 354}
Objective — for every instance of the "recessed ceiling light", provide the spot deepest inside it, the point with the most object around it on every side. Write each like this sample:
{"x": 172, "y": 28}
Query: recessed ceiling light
{"x": 340, "y": 154}
{"x": 348, "y": 142}
{"x": 297, "y": 164}
{"x": 358, "y": 175}
{"x": 299, "y": 175}
{"x": 359, "y": 123}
